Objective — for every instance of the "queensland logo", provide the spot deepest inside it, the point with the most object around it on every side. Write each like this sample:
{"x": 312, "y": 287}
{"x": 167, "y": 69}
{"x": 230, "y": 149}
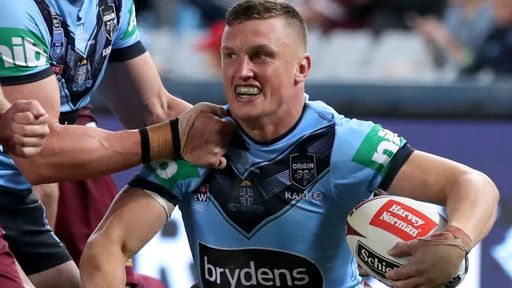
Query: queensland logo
{"x": 374, "y": 261}
{"x": 201, "y": 194}
{"x": 108, "y": 13}
{"x": 402, "y": 221}
{"x": 302, "y": 169}
{"x": 254, "y": 267}
{"x": 244, "y": 199}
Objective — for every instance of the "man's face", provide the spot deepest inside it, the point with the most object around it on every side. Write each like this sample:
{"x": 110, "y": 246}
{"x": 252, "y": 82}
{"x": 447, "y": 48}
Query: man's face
{"x": 260, "y": 62}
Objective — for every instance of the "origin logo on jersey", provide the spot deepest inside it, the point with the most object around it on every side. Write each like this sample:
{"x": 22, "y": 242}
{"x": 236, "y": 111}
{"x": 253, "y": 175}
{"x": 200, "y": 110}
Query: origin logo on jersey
{"x": 374, "y": 261}
{"x": 256, "y": 268}
{"x": 402, "y": 221}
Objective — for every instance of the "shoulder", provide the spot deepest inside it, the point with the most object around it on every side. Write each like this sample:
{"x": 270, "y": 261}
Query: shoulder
{"x": 22, "y": 28}
{"x": 24, "y": 14}
{"x": 22, "y": 20}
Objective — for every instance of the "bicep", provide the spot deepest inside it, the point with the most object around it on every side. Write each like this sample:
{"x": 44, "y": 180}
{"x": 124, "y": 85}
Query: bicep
{"x": 427, "y": 177}
{"x": 132, "y": 220}
{"x": 45, "y": 91}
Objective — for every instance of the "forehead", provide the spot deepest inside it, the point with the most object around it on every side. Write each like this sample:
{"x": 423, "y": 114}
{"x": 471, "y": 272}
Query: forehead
{"x": 254, "y": 32}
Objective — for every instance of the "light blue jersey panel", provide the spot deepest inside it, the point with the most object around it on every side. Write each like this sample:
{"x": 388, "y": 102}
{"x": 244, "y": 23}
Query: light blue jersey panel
{"x": 275, "y": 217}
{"x": 71, "y": 39}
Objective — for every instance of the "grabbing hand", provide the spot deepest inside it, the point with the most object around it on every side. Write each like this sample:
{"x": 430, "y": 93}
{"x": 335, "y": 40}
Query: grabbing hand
{"x": 435, "y": 261}
{"x": 23, "y": 128}
{"x": 204, "y": 135}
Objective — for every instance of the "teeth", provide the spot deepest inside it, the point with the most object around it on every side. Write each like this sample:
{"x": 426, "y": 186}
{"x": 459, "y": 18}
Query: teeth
{"x": 251, "y": 90}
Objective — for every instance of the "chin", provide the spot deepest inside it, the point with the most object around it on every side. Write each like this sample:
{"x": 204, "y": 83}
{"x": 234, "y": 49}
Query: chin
{"x": 245, "y": 114}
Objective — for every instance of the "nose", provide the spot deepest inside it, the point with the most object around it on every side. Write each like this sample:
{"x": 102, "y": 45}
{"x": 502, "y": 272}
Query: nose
{"x": 245, "y": 69}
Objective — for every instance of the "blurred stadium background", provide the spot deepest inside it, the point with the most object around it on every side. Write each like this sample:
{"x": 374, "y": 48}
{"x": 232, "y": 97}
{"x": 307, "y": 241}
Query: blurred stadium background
{"x": 391, "y": 78}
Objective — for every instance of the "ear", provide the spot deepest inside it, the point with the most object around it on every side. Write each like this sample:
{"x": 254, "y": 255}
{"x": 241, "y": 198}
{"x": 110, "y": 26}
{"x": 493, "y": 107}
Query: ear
{"x": 303, "y": 68}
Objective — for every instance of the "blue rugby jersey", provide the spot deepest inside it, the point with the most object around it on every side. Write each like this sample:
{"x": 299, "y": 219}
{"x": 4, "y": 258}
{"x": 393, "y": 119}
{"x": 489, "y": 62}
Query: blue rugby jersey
{"x": 73, "y": 39}
{"x": 275, "y": 216}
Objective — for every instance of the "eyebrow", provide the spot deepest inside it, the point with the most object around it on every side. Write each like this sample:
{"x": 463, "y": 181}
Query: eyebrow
{"x": 251, "y": 48}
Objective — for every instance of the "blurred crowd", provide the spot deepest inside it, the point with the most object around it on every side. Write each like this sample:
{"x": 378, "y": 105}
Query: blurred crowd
{"x": 358, "y": 40}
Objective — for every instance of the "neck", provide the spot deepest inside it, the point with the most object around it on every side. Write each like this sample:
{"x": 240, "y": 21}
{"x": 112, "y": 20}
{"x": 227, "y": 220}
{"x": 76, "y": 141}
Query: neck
{"x": 269, "y": 128}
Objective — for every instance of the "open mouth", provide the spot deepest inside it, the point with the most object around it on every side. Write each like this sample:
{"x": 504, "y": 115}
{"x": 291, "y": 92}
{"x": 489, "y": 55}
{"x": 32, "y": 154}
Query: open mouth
{"x": 247, "y": 91}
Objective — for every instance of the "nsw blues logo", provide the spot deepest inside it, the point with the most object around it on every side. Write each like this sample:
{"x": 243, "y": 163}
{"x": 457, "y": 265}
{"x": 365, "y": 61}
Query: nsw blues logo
{"x": 244, "y": 199}
{"x": 302, "y": 169}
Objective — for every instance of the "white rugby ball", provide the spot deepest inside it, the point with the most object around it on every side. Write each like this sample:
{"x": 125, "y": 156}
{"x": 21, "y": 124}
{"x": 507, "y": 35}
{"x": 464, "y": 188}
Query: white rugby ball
{"x": 377, "y": 224}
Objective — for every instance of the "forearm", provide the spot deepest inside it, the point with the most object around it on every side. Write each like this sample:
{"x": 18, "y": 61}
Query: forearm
{"x": 79, "y": 152}
{"x": 100, "y": 267}
{"x": 121, "y": 234}
{"x": 472, "y": 205}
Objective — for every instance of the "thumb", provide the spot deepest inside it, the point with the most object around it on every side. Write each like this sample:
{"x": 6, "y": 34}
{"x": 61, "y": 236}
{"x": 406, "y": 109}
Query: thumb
{"x": 401, "y": 249}
{"x": 36, "y": 109}
{"x": 213, "y": 109}
{"x": 222, "y": 163}
{"x": 31, "y": 106}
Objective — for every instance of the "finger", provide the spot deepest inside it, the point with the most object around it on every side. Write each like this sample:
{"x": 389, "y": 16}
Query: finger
{"x": 31, "y": 106}
{"x": 412, "y": 269}
{"x": 222, "y": 163}
{"x": 401, "y": 249}
{"x": 400, "y": 273}
{"x": 36, "y": 109}
{"x": 213, "y": 109}
{"x": 23, "y": 141}
{"x": 30, "y": 130}
{"x": 28, "y": 118}
{"x": 25, "y": 152}
{"x": 406, "y": 283}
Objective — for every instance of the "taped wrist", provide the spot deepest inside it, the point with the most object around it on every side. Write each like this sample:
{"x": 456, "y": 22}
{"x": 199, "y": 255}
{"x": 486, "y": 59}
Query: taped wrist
{"x": 458, "y": 233}
{"x": 451, "y": 236}
{"x": 160, "y": 141}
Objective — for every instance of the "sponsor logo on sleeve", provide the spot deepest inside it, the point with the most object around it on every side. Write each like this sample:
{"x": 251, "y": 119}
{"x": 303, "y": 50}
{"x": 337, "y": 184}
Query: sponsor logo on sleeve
{"x": 255, "y": 267}
{"x": 402, "y": 221}
{"x": 168, "y": 173}
{"x": 21, "y": 51}
{"x": 132, "y": 24}
{"x": 377, "y": 149}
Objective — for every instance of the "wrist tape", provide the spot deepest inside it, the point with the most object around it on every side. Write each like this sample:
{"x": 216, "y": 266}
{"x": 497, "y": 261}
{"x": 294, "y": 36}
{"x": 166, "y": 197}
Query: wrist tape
{"x": 458, "y": 233}
{"x": 451, "y": 236}
{"x": 160, "y": 141}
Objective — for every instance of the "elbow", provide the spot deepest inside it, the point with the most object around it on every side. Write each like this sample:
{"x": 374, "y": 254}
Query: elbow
{"x": 487, "y": 191}
{"x": 491, "y": 189}
{"x": 91, "y": 266}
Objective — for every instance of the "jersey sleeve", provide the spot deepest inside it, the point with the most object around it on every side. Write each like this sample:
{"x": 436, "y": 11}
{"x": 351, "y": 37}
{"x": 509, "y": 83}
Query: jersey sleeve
{"x": 169, "y": 179}
{"x": 24, "y": 43}
{"x": 126, "y": 44}
{"x": 364, "y": 154}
